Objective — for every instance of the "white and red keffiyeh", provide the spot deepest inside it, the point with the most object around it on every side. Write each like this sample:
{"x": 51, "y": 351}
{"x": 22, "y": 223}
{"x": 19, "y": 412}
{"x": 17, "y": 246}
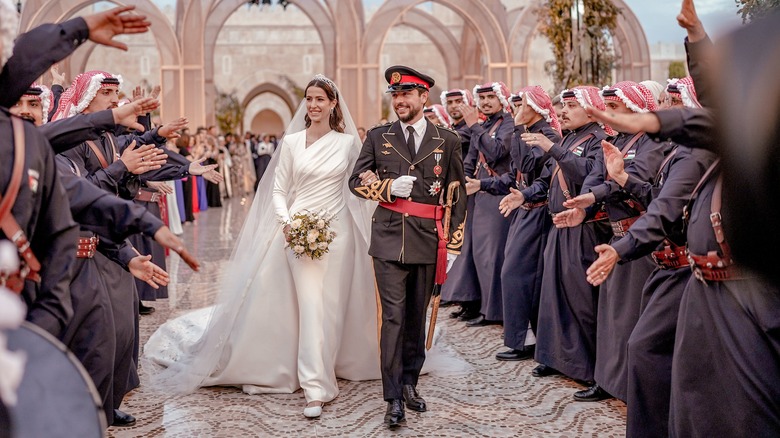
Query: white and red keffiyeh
{"x": 43, "y": 94}
{"x": 685, "y": 88}
{"x": 587, "y": 96}
{"x": 540, "y": 101}
{"x": 81, "y": 92}
{"x": 468, "y": 99}
{"x": 501, "y": 90}
{"x": 636, "y": 97}
{"x": 440, "y": 113}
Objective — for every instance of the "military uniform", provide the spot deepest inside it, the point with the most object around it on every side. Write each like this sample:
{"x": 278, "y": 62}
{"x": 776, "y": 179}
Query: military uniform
{"x": 404, "y": 247}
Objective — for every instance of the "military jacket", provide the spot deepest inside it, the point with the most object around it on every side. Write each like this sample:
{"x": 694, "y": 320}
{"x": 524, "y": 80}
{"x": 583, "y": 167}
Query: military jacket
{"x": 437, "y": 163}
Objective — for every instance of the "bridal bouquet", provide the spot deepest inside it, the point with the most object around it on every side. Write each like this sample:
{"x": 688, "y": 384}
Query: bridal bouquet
{"x": 308, "y": 234}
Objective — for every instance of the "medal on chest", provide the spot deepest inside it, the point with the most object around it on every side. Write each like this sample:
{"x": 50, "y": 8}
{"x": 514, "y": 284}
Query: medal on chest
{"x": 437, "y": 170}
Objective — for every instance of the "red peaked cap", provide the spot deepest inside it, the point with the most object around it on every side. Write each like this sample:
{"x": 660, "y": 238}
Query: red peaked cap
{"x": 402, "y": 78}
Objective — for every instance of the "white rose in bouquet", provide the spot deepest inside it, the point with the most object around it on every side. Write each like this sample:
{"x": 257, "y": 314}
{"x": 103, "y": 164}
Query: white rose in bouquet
{"x": 298, "y": 249}
{"x": 313, "y": 246}
{"x": 320, "y": 224}
{"x": 313, "y": 236}
{"x": 322, "y": 245}
{"x": 295, "y": 224}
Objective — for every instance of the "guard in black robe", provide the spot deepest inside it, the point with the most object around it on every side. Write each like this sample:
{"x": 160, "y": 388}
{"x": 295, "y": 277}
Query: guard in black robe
{"x": 659, "y": 231}
{"x": 41, "y": 210}
{"x": 489, "y": 156}
{"x": 566, "y": 340}
{"x": 92, "y": 334}
{"x": 727, "y": 331}
{"x": 521, "y": 274}
{"x": 620, "y": 295}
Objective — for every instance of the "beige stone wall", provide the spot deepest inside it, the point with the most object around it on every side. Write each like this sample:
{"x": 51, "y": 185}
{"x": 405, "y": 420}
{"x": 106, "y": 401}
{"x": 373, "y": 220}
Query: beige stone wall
{"x": 261, "y": 47}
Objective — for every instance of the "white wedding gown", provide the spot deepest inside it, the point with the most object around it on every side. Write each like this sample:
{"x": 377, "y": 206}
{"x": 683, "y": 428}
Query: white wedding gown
{"x": 302, "y": 322}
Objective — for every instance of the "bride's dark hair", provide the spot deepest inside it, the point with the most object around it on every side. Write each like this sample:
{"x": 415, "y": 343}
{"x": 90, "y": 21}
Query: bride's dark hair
{"x": 336, "y": 118}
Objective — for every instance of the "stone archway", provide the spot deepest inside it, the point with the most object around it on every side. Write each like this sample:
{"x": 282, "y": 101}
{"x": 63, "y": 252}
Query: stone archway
{"x": 435, "y": 30}
{"x": 273, "y": 89}
{"x": 36, "y": 12}
{"x": 484, "y": 18}
{"x": 218, "y": 13}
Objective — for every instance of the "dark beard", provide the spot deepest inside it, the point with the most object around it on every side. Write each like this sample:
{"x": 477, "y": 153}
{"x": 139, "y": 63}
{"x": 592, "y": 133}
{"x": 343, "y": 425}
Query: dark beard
{"x": 410, "y": 117}
{"x": 28, "y": 118}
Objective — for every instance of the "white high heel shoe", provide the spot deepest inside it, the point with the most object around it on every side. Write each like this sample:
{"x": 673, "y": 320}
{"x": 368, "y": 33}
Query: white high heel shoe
{"x": 313, "y": 411}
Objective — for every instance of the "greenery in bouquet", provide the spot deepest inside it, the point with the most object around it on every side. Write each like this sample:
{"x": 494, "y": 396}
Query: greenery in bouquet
{"x": 309, "y": 234}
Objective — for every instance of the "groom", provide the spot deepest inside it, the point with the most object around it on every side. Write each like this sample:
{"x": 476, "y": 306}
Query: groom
{"x": 407, "y": 166}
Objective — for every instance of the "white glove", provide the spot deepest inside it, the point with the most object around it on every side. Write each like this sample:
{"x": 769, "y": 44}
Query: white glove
{"x": 402, "y": 186}
{"x": 451, "y": 260}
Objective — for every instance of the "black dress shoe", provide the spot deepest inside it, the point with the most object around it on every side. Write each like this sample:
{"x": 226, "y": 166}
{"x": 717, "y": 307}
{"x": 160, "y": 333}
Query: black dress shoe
{"x": 544, "y": 371}
{"x": 122, "y": 419}
{"x": 469, "y": 315}
{"x": 145, "y": 310}
{"x": 444, "y": 304}
{"x": 525, "y": 353}
{"x": 478, "y": 322}
{"x": 413, "y": 399}
{"x": 592, "y": 394}
{"x": 459, "y": 311}
{"x": 395, "y": 415}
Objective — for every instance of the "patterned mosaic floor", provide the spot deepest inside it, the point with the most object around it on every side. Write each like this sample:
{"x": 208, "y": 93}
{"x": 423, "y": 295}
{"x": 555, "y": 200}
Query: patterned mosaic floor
{"x": 494, "y": 399}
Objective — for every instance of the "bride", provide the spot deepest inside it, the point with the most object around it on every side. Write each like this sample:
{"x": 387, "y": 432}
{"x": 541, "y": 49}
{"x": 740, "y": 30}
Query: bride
{"x": 281, "y": 322}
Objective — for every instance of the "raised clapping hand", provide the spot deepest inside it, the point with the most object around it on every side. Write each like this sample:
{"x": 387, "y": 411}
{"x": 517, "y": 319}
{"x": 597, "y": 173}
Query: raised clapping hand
{"x": 143, "y": 158}
{"x": 368, "y": 177}
{"x": 582, "y": 201}
{"x": 143, "y": 269}
{"x": 171, "y": 130}
{"x": 197, "y": 167}
{"x": 472, "y": 186}
{"x": 470, "y": 114}
{"x": 126, "y": 115}
{"x": 569, "y": 218}
{"x": 57, "y": 78}
{"x": 539, "y": 140}
{"x": 138, "y": 93}
{"x": 598, "y": 272}
{"x": 103, "y": 27}
{"x": 613, "y": 159}
{"x": 511, "y": 201}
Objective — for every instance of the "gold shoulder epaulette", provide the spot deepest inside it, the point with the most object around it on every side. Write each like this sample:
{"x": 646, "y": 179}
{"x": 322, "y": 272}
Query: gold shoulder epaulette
{"x": 382, "y": 125}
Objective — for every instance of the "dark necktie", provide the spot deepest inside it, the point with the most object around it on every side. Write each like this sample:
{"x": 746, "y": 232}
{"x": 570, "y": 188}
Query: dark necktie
{"x": 410, "y": 142}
